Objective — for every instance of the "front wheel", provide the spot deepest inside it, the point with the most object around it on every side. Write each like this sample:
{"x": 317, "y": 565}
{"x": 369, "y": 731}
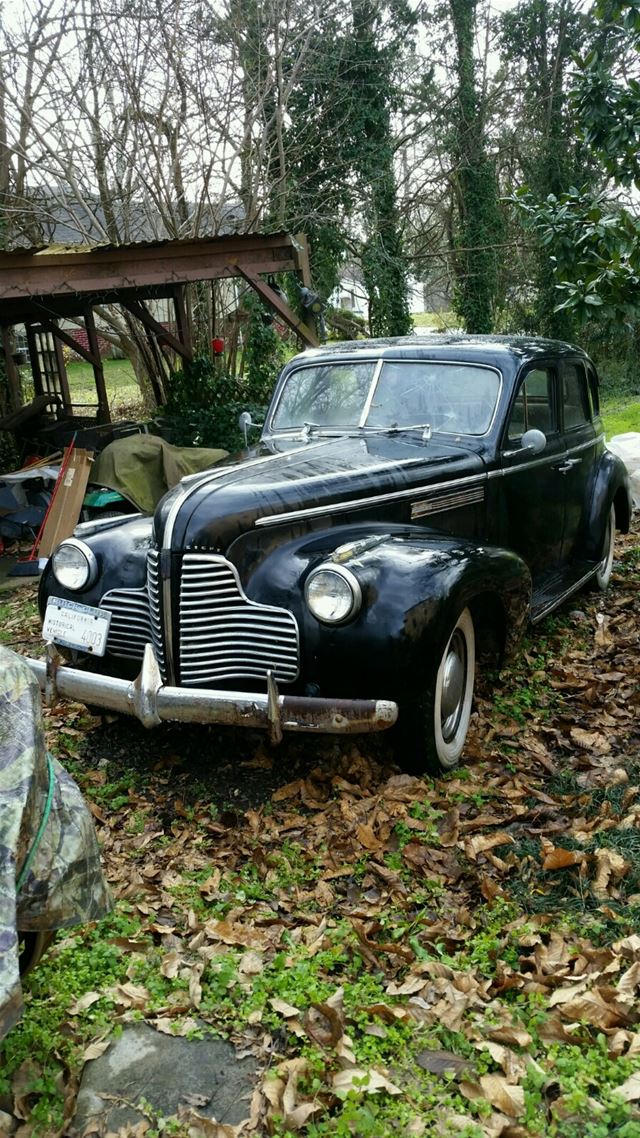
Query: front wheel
{"x": 433, "y": 729}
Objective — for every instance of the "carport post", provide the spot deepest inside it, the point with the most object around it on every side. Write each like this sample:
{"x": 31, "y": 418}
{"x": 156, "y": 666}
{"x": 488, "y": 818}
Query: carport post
{"x": 98, "y": 370}
{"x": 13, "y": 375}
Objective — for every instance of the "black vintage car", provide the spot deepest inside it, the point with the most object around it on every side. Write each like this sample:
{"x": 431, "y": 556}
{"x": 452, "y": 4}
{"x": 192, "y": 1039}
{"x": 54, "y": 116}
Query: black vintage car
{"x": 411, "y": 505}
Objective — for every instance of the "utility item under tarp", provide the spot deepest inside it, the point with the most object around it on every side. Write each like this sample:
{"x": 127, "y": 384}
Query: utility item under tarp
{"x": 50, "y": 873}
{"x": 143, "y": 467}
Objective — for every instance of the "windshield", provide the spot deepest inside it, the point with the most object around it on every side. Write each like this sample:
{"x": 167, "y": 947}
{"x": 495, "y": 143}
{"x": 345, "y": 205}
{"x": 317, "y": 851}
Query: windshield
{"x": 446, "y": 397}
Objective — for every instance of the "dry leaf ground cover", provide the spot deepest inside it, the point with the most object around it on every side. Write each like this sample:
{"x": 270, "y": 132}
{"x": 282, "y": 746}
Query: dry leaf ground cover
{"x": 453, "y": 957}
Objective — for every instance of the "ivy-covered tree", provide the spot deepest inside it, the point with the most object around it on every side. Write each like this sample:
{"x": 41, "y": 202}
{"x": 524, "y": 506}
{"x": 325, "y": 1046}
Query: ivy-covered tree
{"x": 342, "y": 178}
{"x": 538, "y": 42}
{"x": 383, "y": 260}
{"x": 591, "y": 236}
{"x": 479, "y": 227}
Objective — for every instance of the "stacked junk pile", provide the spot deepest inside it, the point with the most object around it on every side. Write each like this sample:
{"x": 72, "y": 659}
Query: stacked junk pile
{"x": 42, "y": 503}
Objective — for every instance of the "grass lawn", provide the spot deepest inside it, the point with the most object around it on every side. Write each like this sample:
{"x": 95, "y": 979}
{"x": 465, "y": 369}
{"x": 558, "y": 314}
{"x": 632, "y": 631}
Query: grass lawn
{"x": 620, "y": 415}
{"x": 122, "y": 389}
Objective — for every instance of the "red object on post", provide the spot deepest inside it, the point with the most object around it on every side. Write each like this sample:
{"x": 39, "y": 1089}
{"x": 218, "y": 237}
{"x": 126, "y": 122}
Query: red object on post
{"x": 217, "y": 345}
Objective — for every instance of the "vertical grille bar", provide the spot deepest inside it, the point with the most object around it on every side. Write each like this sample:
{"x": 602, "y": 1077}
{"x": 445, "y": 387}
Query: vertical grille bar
{"x": 223, "y": 634}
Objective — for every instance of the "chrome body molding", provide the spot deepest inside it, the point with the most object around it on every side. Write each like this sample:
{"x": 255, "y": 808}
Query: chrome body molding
{"x": 359, "y": 503}
{"x": 440, "y": 503}
{"x": 151, "y": 701}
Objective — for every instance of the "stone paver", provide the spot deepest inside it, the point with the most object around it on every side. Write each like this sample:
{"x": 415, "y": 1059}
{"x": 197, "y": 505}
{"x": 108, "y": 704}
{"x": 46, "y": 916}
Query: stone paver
{"x": 163, "y": 1071}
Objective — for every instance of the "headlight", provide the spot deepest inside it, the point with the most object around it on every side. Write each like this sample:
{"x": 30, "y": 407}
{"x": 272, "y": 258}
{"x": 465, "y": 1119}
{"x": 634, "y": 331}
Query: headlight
{"x": 333, "y": 594}
{"x": 74, "y": 565}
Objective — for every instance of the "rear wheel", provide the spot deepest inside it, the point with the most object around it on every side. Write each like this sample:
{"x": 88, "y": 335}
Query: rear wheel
{"x": 603, "y": 573}
{"x": 433, "y": 729}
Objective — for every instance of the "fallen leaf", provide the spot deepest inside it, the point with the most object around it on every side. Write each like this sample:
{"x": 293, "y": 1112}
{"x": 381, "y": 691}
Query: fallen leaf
{"x": 363, "y": 1081}
{"x": 443, "y": 1063}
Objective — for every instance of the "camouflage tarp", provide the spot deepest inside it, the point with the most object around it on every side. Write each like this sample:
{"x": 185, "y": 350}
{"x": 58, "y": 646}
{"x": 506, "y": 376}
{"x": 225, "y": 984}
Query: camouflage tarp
{"x": 64, "y": 884}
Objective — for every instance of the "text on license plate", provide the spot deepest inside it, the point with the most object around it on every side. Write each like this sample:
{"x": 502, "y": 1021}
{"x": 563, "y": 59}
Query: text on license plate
{"x": 76, "y": 626}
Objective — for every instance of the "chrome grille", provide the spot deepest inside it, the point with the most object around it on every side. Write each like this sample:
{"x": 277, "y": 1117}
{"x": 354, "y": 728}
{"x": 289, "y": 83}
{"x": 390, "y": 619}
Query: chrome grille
{"x": 223, "y": 634}
{"x": 130, "y": 627}
{"x": 155, "y": 606}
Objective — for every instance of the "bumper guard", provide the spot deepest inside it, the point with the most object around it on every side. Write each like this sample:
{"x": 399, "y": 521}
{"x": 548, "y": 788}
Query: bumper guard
{"x": 151, "y": 701}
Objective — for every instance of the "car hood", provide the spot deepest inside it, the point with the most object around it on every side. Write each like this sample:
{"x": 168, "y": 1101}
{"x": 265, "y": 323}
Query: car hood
{"x": 211, "y": 509}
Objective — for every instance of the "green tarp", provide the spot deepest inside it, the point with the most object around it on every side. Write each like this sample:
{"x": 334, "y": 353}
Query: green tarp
{"x": 143, "y": 467}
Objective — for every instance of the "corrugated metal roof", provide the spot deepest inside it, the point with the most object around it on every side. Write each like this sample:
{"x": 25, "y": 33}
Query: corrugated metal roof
{"x": 176, "y": 243}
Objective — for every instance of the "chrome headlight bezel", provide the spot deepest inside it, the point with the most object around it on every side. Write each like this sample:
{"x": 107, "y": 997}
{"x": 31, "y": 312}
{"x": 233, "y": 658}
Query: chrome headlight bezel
{"x": 353, "y": 597}
{"x": 84, "y": 555}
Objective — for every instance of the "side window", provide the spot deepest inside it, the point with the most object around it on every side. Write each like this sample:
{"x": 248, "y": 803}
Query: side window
{"x": 574, "y": 396}
{"x": 534, "y": 404}
{"x": 593, "y": 390}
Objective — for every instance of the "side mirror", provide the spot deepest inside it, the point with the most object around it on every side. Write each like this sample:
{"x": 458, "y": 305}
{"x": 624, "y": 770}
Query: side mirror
{"x": 244, "y": 422}
{"x": 534, "y": 440}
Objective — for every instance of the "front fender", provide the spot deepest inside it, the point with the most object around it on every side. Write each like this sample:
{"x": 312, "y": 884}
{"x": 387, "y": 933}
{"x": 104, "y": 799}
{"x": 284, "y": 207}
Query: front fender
{"x": 121, "y": 552}
{"x": 413, "y": 584}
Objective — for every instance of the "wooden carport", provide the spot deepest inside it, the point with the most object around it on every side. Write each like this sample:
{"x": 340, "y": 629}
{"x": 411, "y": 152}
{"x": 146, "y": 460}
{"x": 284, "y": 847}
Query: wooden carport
{"x": 40, "y": 288}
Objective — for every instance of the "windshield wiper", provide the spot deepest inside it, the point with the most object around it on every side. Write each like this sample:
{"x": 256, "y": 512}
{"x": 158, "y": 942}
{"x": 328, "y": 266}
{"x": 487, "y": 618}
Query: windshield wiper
{"x": 395, "y": 428}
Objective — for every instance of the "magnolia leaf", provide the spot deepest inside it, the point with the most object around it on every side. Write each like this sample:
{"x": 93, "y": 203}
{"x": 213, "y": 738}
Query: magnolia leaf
{"x": 363, "y": 1081}
{"x": 505, "y": 1096}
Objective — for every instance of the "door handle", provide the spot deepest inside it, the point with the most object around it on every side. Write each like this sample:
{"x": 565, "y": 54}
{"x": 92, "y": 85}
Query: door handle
{"x": 568, "y": 464}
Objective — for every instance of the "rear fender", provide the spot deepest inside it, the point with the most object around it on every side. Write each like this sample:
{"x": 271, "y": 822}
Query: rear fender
{"x": 610, "y": 487}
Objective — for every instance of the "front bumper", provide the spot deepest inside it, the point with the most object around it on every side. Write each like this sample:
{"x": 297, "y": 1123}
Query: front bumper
{"x": 151, "y": 701}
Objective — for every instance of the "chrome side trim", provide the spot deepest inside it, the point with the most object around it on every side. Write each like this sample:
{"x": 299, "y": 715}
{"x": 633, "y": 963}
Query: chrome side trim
{"x": 374, "y": 500}
{"x": 503, "y": 472}
{"x": 359, "y": 503}
{"x": 441, "y": 503}
{"x": 87, "y": 529}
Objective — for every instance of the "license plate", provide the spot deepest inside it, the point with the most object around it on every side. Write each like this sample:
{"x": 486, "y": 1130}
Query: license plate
{"x": 76, "y": 626}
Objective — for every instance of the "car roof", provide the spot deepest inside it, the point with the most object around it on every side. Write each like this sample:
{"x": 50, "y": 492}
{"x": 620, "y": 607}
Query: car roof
{"x": 438, "y": 345}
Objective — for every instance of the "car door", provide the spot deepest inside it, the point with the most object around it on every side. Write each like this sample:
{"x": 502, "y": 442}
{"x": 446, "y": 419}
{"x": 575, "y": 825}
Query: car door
{"x": 581, "y": 435}
{"x": 532, "y": 484}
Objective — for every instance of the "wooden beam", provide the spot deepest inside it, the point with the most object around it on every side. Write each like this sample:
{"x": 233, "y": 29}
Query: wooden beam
{"x": 75, "y": 345}
{"x": 25, "y": 275}
{"x": 13, "y": 375}
{"x": 104, "y": 415}
{"x": 301, "y": 246}
{"x": 138, "y": 310}
{"x": 62, "y": 374}
{"x": 182, "y": 319}
{"x": 306, "y": 334}
{"x": 34, "y": 358}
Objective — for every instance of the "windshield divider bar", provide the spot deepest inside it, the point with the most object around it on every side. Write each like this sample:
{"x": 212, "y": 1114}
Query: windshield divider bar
{"x": 372, "y": 390}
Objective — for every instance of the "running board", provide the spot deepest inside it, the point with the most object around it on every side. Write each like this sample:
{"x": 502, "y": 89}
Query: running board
{"x": 555, "y": 587}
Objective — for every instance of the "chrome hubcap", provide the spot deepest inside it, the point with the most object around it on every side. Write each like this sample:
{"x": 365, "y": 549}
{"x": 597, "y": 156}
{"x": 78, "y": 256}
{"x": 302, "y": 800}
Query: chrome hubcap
{"x": 454, "y": 677}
